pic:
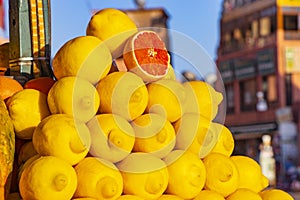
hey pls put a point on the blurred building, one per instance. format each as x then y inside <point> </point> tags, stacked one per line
<point>259,62</point>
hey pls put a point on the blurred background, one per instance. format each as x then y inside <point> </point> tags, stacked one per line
<point>248,49</point>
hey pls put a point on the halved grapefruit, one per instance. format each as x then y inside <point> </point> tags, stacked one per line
<point>146,55</point>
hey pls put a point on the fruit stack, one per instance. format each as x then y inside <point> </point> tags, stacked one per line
<point>129,130</point>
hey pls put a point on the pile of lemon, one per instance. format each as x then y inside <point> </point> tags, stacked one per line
<point>107,134</point>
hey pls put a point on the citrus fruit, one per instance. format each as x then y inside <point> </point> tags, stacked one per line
<point>171,73</point>
<point>222,175</point>
<point>144,175</point>
<point>27,108</point>
<point>129,197</point>
<point>112,26</point>
<point>124,94</point>
<point>25,165</point>
<point>74,96</point>
<point>112,137</point>
<point>275,194</point>
<point>48,177</point>
<point>98,178</point>
<point>251,176</point>
<point>196,134</point>
<point>145,54</point>
<point>245,194</point>
<point>187,174</point>
<point>169,197</point>
<point>154,134</point>
<point>84,56</point>
<point>84,198</point>
<point>202,98</point>
<point>26,151</point>
<point>209,195</point>
<point>225,142</point>
<point>166,98</point>
<point>42,84</point>
<point>62,136</point>
<point>8,87</point>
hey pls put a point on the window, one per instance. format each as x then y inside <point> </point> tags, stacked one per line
<point>229,98</point>
<point>265,26</point>
<point>269,89</point>
<point>248,95</point>
<point>290,22</point>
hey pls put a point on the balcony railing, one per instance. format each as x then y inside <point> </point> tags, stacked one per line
<point>247,44</point>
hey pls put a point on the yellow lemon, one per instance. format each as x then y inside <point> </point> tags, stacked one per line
<point>196,134</point>
<point>166,98</point>
<point>98,178</point>
<point>48,177</point>
<point>26,151</point>
<point>225,142</point>
<point>112,137</point>
<point>251,176</point>
<point>154,134</point>
<point>171,73</point>
<point>169,197</point>
<point>25,164</point>
<point>27,108</point>
<point>275,194</point>
<point>124,94</point>
<point>129,197</point>
<point>209,195</point>
<point>144,175</point>
<point>112,26</point>
<point>84,198</point>
<point>84,56</point>
<point>62,136</point>
<point>245,194</point>
<point>187,174</point>
<point>222,175</point>
<point>74,96</point>
<point>202,98</point>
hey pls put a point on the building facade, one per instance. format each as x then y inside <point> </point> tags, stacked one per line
<point>259,61</point>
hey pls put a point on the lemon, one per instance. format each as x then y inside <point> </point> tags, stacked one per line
<point>112,137</point>
<point>187,174</point>
<point>251,176</point>
<point>144,175</point>
<point>171,73</point>
<point>25,164</point>
<point>62,136</point>
<point>275,194</point>
<point>84,56</point>
<point>129,197</point>
<point>202,98</point>
<point>48,177</point>
<point>124,94</point>
<point>166,98</point>
<point>112,26</point>
<point>225,142</point>
<point>74,96</point>
<point>27,108</point>
<point>26,151</point>
<point>209,195</point>
<point>222,175</point>
<point>196,134</point>
<point>245,194</point>
<point>169,197</point>
<point>98,178</point>
<point>154,134</point>
<point>84,198</point>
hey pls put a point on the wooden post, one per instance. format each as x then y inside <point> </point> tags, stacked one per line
<point>30,39</point>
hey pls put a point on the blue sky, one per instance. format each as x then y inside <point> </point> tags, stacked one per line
<point>196,21</point>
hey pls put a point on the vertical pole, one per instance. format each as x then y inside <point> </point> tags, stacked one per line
<point>30,39</point>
